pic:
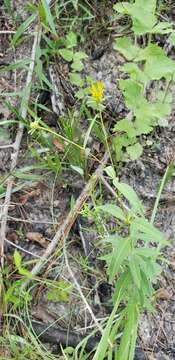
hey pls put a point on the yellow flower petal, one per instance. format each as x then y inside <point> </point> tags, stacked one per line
<point>97,91</point>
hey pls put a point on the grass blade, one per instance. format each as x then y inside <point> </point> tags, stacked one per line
<point>22,28</point>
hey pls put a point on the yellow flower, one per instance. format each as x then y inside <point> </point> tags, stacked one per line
<point>97,91</point>
<point>34,125</point>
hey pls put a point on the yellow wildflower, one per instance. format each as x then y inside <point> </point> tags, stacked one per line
<point>34,125</point>
<point>97,91</point>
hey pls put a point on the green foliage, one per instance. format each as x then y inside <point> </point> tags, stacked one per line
<point>145,64</point>
<point>133,264</point>
<point>59,291</point>
<point>20,268</point>
<point>143,15</point>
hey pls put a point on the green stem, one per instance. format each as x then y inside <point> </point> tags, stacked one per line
<point>162,185</point>
<point>39,127</point>
<point>106,137</point>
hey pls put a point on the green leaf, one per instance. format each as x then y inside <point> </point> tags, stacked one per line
<point>17,65</point>
<point>142,14</point>
<point>134,151</point>
<point>25,272</point>
<point>79,55</point>
<point>123,7</point>
<point>127,126</point>
<point>172,39</point>
<point>17,259</point>
<point>22,28</point>
<point>129,336</point>
<point>147,252</point>
<point>157,65</point>
<point>147,231</point>
<point>128,192</point>
<point>49,17</point>
<point>113,210</point>
<point>132,92</point>
<point>134,265</point>
<point>126,48</point>
<point>66,54</point>
<point>110,172</point>
<point>71,40</point>
<point>60,291</point>
<point>135,73</point>
<point>163,27</point>
<point>78,169</point>
<point>118,256</point>
<point>76,79</point>
<point>77,65</point>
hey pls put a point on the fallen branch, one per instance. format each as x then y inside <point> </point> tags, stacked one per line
<point>65,228</point>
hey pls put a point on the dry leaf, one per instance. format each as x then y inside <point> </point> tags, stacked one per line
<point>24,198</point>
<point>58,145</point>
<point>37,237</point>
<point>162,294</point>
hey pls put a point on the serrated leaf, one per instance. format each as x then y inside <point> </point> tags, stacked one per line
<point>127,126</point>
<point>113,210</point>
<point>134,151</point>
<point>66,54</point>
<point>157,64</point>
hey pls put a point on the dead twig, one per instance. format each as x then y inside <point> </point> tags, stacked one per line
<point>65,228</point>
<point>113,192</point>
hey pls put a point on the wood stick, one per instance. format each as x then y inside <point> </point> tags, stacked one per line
<point>65,228</point>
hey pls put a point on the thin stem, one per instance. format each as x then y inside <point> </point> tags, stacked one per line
<point>106,137</point>
<point>162,185</point>
<point>39,127</point>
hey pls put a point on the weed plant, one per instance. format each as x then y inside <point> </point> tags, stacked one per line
<point>133,255</point>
